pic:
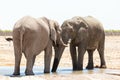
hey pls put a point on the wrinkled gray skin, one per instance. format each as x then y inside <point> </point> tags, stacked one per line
<point>87,34</point>
<point>31,36</point>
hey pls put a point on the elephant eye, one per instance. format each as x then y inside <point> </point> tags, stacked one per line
<point>70,24</point>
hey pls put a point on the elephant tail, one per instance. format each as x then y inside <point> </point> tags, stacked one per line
<point>22,31</point>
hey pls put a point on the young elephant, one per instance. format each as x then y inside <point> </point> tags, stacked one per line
<point>31,36</point>
<point>86,33</point>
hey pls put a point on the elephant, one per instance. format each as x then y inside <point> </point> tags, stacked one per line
<point>30,37</point>
<point>85,34</point>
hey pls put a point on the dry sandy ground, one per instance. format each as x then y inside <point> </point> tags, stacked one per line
<point>112,56</point>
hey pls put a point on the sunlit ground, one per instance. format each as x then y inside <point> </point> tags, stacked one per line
<point>112,57</point>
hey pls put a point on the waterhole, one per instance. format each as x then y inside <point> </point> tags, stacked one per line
<point>8,71</point>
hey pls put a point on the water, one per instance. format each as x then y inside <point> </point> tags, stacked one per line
<point>8,71</point>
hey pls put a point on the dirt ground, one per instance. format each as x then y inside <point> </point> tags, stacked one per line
<point>112,57</point>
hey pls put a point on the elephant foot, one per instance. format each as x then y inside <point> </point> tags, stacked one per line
<point>16,74</point>
<point>103,66</point>
<point>80,67</point>
<point>46,71</point>
<point>53,70</point>
<point>75,69</point>
<point>29,73</point>
<point>89,67</point>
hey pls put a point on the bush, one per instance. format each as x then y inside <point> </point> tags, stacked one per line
<point>112,32</point>
<point>5,33</point>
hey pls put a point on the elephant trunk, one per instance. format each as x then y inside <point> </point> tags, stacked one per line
<point>55,65</point>
<point>58,53</point>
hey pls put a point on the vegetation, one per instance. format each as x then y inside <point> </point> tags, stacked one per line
<point>112,32</point>
<point>5,33</point>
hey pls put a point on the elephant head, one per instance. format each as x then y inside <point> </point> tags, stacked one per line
<point>70,29</point>
<point>55,31</point>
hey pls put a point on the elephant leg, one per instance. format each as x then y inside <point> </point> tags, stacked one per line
<point>30,63</point>
<point>90,59</point>
<point>18,56</point>
<point>101,54</point>
<point>73,56</point>
<point>81,52</point>
<point>47,58</point>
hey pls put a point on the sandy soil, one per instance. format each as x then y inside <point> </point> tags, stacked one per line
<point>112,56</point>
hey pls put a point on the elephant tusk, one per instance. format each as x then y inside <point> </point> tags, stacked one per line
<point>69,41</point>
<point>65,45</point>
<point>62,43</point>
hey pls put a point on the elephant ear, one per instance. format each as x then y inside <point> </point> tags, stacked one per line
<point>84,24</point>
<point>80,22</point>
<point>58,39</point>
<point>53,33</point>
<point>51,24</point>
<point>46,20</point>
